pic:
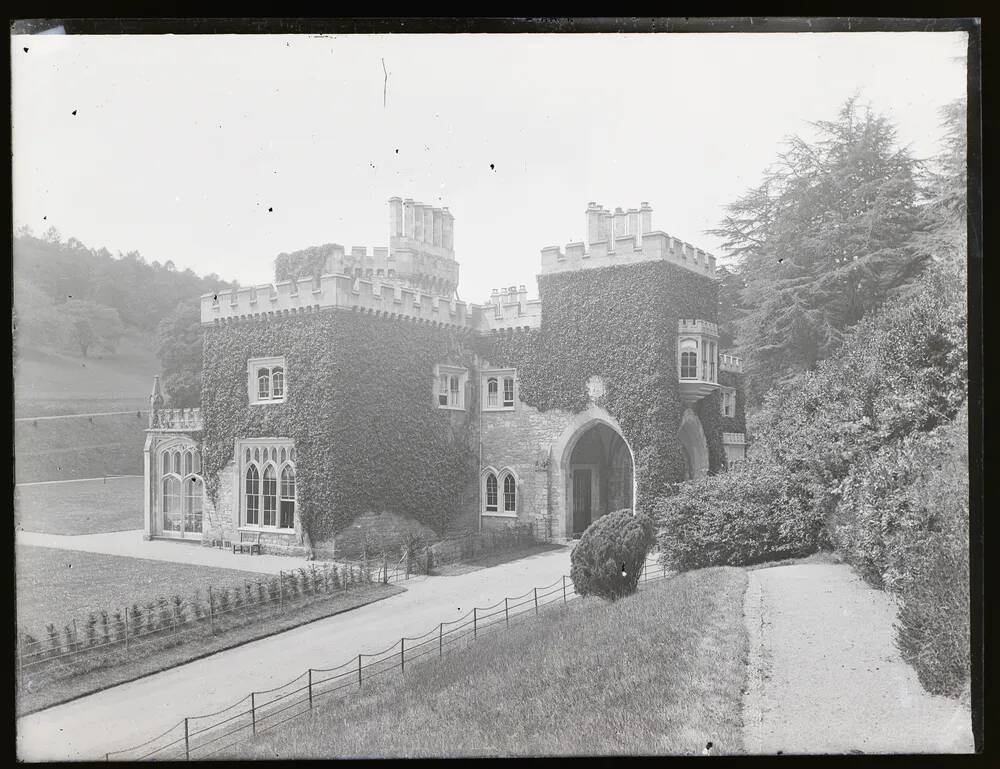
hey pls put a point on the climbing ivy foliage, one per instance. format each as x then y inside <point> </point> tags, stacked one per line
<point>619,323</point>
<point>709,411</point>
<point>360,408</point>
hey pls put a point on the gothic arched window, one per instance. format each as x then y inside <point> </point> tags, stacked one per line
<point>492,392</point>
<point>269,494</point>
<point>509,494</point>
<point>252,496</point>
<point>491,493</point>
<point>287,513</point>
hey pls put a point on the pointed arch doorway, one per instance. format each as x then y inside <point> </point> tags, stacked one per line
<point>595,470</point>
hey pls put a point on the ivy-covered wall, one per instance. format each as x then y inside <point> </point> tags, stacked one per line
<point>619,323</point>
<point>738,422</point>
<point>360,407</point>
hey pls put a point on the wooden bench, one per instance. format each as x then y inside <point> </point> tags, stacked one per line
<point>249,542</point>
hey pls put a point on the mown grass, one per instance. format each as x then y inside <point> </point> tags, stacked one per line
<point>79,447</point>
<point>659,672</point>
<point>60,585</point>
<point>81,507</point>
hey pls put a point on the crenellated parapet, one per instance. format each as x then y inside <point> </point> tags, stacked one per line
<point>510,308</point>
<point>624,237</point>
<point>306,295</point>
<point>729,362</point>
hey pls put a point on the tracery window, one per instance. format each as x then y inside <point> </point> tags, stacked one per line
<point>181,489</point>
<point>269,490</point>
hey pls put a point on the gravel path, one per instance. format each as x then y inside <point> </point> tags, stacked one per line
<point>825,677</point>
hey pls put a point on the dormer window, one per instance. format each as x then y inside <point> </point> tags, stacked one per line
<point>267,382</point>
<point>450,384</point>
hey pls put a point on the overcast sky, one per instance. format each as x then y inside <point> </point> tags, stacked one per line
<point>219,152</point>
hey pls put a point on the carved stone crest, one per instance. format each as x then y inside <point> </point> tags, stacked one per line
<point>596,388</point>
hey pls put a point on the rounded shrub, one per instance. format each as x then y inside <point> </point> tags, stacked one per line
<point>609,557</point>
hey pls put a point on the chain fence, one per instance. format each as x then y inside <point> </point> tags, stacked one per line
<point>206,736</point>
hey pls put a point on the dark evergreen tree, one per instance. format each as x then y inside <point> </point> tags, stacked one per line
<point>178,346</point>
<point>826,237</point>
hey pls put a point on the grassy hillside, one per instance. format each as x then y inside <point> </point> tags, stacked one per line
<point>48,381</point>
<point>660,672</point>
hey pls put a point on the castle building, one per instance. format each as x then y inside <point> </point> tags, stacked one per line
<point>358,384</point>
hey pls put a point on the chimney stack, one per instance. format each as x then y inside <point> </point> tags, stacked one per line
<point>594,222</point>
<point>621,223</point>
<point>408,218</point>
<point>645,218</point>
<point>447,230</point>
<point>395,217</point>
<point>437,226</point>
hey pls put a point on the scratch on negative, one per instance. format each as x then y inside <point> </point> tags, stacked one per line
<point>385,85</point>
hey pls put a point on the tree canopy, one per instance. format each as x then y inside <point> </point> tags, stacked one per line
<point>825,238</point>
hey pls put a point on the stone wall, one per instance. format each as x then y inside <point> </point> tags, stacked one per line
<point>521,441</point>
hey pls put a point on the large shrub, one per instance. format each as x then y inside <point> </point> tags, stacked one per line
<point>748,515</point>
<point>609,557</point>
<point>903,523</point>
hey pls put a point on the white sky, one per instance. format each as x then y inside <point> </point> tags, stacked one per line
<point>181,144</point>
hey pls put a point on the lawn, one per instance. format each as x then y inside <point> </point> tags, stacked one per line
<point>80,507</point>
<point>79,447</point>
<point>60,585</point>
<point>660,672</point>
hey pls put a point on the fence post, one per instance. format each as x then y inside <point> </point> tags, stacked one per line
<point>246,601</point>
<point>564,588</point>
<point>506,616</point>
<point>253,713</point>
<point>473,622</point>
<point>402,655</point>
<point>187,742</point>
<point>281,591</point>
<point>211,613</point>
<point>359,671</point>
<point>310,688</point>
<point>536,601</point>
<point>76,636</point>
<point>440,639</point>
<point>126,632</point>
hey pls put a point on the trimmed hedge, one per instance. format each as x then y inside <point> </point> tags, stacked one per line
<point>608,560</point>
<point>734,519</point>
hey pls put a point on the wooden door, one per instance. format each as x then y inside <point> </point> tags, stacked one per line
<point>581,500</point>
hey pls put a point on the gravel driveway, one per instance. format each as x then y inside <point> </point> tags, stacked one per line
<point>825,677</point>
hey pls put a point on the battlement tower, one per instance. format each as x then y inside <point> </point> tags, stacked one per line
<point>624,237</point>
